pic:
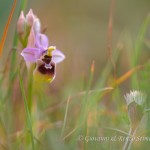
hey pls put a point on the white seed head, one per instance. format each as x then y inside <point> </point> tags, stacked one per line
<point>135,96</point>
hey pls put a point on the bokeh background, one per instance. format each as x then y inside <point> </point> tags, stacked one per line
<point>79,28</point>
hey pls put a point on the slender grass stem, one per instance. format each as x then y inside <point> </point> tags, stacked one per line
<point>12,73</point>
<point>137,50</point>
<point>129,141</point>
<point>85,104</point>
<point>65,118</point>
<point>115,129</point>
<point>109,40</point>
<point>29,123</point>
<point>131,134</point>
<point>2,42</point>
<point>70,133</point>
<point>30,89</point>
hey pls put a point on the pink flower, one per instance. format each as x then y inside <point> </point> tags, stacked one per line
<point>37,50</point>
<point>46,57</point>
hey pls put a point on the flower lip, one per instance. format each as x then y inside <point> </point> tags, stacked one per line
<point>47,70</point>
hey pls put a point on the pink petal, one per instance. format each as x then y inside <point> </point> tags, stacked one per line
<point>42,41</point>
<point>21,24</point>
<point>57,56</point>
<point>31,38</point>
<point>30,17</point>
<point>31,54</point>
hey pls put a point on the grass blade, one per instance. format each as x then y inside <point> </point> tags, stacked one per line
<point>7,26</point>
<point>29,123</point>
<point>65,118</point>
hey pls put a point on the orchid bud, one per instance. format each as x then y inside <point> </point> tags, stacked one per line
<point>135,101</point>
<point>21,24</point>
<point>37,26</point>
<point>30,17</point>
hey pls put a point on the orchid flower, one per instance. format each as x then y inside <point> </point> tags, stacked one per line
<point>36,48</point>
<point>46,57</point>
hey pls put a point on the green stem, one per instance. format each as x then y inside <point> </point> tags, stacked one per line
<point>30,89</point>
<point>12,73</point>
<point>86,103</point>
<point>131,134</point>
<point>128,142</point>
<point>29,123</point>
<point>65,117</point>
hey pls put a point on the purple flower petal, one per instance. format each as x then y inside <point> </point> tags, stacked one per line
<point>57,56</point>
<point>31,54</point>
<point>42,41</point>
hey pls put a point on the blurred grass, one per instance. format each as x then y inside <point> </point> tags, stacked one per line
<point>138,48</point>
